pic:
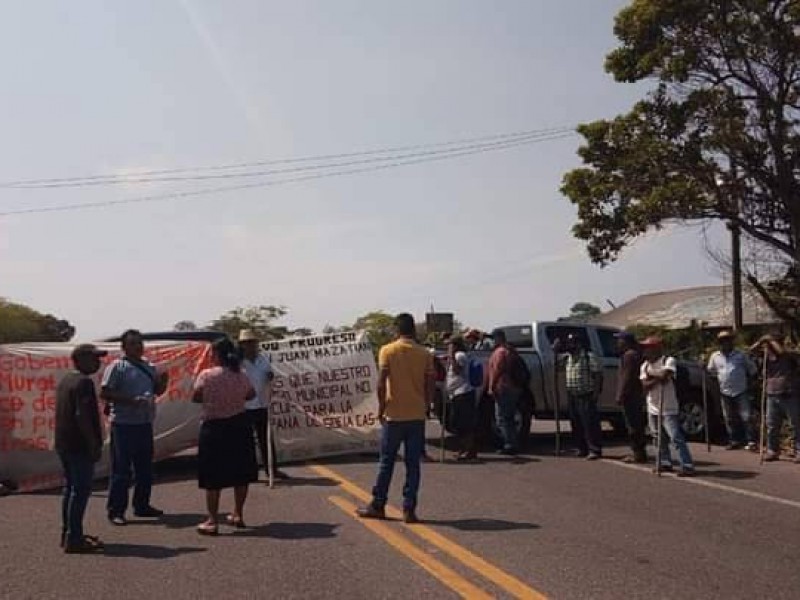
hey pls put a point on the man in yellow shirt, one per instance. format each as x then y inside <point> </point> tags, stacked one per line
<point>405,389</point>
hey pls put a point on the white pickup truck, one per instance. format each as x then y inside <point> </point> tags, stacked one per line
<point>534,343</point>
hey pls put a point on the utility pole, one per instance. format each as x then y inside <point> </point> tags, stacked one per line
<point>736,274</point>
<point>736,253</point>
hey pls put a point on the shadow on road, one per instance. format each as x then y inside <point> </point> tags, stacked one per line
<point>729,474</point>
<point>483,524</point>
<point>307,481</point>
<point>147,551</point>
<point>290,531</point>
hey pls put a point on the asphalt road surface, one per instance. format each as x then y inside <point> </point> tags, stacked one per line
<point>532,527</point>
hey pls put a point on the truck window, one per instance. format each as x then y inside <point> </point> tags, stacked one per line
<point>561,332</point>
<point>608,343</point>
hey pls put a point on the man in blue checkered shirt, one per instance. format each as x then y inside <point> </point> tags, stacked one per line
<point>584,378</point>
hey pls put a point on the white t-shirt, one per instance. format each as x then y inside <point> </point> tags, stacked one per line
<point>458,383</point>
<point>657,367</point>
<point>258,372</point>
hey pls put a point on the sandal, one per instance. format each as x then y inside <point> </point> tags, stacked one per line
<point>207,529</point>
<point>237,522</point>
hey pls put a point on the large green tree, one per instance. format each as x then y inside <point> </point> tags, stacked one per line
<point>716,138</point>
<point>20,323</point>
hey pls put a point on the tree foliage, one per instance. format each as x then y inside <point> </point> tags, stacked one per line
<point>261,319</point>
<point>581,312</point>
<point>379,327</point>
<point>185,326</point>
<point>716,139</point>
<point>19,323</point>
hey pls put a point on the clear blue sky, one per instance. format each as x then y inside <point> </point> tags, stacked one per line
<point>108,87</point>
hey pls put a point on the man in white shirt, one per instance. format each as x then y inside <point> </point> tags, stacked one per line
<point>461,394</point>
<point>732,369</point>
<point>258,369</point>
<point>658,379</point>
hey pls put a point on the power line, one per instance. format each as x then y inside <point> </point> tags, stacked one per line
<point>275,182</point>
<point>270,172</point>
<point>158,174</point>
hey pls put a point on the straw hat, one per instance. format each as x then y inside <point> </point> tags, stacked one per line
<point>248,335</point>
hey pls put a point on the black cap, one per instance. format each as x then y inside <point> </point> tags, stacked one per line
<point>87,350</point>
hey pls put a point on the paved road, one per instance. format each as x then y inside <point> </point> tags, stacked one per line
<point>537,526</point>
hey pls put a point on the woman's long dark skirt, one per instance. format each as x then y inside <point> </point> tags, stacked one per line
<point>226,455</point>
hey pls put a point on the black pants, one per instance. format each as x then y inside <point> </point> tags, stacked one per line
<point>585,423</point>
<point>633,410</point>
<point>259,418</point>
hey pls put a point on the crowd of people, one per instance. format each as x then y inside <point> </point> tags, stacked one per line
<point>233,395</point>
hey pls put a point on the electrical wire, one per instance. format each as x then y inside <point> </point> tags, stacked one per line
<point>161,175</point>
<point>513,143</point>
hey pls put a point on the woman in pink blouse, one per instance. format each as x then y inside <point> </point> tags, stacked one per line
<point>226,454</point>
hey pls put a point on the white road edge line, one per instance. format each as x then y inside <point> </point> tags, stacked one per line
<point>711,484</point>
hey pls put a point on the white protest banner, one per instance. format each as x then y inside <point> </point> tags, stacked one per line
<point>324,400</point>
<point>29,375</point>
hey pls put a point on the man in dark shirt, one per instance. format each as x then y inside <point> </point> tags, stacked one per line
<point>630,395</point>
<point>78,442</point>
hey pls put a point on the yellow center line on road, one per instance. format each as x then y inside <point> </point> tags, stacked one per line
<point>484,568</point>
<point>447,576</point>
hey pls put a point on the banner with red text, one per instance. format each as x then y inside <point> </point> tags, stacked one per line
<point>29,374</point>
<point>323,399</point>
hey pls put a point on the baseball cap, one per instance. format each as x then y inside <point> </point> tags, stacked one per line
<point>87,350</point>
<point>725,335</point>
<point>651,341</point>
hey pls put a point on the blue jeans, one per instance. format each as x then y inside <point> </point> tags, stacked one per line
<point>131,446</point>
<point>78,475</point>
<point>672,426</point>
<point>506,404</point>
<point>738,412</point>
<point>777,407</point>
<point>412,435</point>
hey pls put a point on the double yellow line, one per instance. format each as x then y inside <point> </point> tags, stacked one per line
<point>450,578</point>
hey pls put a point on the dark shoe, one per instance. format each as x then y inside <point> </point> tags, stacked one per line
<point>771,456</point>
<point>237,522</point>
<point>664,468</point>
<point>733,446</point>
<point>593,456</point>
<point>410,517</point>
<point>507,451</point>
<point>371,512</point>
<point>88,545</point>
<point>687,473</point>
<point>149,513</point>
<point>117,520</point>
<point>278,474</point>
<point>752,447</point>
<point>579,453</point>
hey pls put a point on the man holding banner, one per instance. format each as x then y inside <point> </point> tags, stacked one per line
<point>258,369</point>
<point>405,390</point>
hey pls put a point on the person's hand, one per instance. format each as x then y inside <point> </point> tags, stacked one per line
<point>382,418</point>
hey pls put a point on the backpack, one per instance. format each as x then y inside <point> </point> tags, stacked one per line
<point>475,373</point>
<point>519,373</point>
